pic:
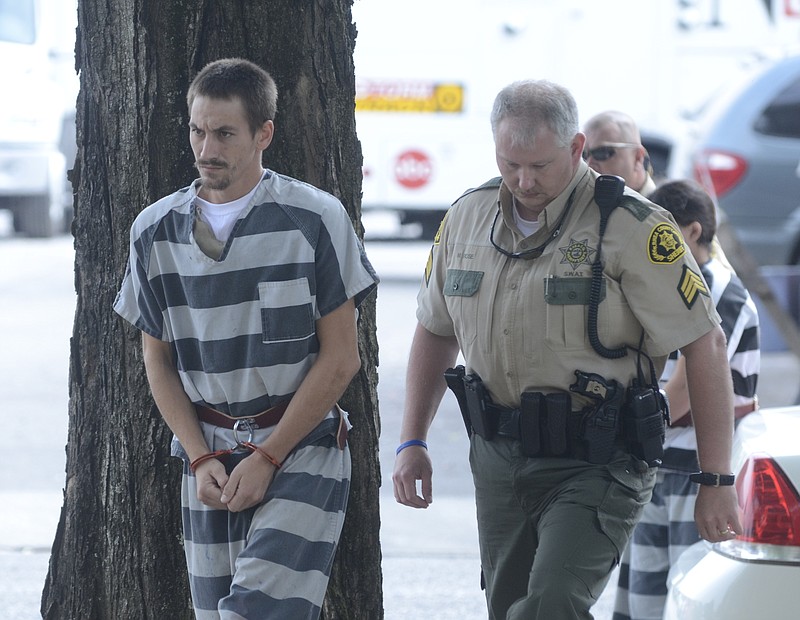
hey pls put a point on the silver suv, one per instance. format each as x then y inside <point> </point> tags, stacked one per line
<point>749,157</point>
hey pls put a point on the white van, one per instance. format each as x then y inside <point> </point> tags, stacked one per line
<point>32,168</point>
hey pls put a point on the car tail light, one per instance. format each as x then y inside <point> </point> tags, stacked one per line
<point>770,504</point>
<point>718,171</point>
<point>770,514</point>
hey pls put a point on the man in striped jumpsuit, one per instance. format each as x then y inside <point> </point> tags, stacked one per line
<point>245,286</point>
<point>667,527</point>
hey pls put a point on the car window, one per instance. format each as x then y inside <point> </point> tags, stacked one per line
<point>782,115</point>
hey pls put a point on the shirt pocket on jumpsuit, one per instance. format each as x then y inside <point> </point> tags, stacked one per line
<point>287,311</point>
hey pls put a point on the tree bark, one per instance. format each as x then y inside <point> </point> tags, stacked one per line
<point>118,550</point>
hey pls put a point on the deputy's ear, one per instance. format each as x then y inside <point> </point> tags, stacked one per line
<point>576,148</point>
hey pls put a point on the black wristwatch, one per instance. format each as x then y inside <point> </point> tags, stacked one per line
<point>712,480</point>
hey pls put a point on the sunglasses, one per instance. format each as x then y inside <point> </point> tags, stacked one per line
<point>607,151</point>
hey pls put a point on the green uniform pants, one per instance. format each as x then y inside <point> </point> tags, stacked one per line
<point>551,530</point>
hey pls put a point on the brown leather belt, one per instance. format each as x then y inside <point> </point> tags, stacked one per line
<point>738,413</point>
<point>265,419</point>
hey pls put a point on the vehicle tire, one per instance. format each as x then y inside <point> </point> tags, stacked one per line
<point>32,216</point>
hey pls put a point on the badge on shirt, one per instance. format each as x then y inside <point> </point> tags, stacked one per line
<point>665,245</point>
<point>577,253</point>
<point>691,286</point>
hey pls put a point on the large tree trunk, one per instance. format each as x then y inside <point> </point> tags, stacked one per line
<point>117,552</point>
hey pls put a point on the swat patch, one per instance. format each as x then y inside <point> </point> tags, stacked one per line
<point>577,253</point>
<point>691,286</point>
<point>665,244</point>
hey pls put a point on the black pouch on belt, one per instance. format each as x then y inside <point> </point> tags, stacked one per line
<point>543,423</point>
<point>559,406</point>
<point>531,410</point>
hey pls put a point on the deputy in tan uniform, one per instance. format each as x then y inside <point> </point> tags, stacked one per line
<point>614,146</point>
<point>509,284</point>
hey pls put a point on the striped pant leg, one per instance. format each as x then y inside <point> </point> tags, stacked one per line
<point>211,544</point>
<point>667,528</point>
<point>283,570</point>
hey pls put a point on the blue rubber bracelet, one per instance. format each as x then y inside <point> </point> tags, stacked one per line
<point>410,442</point>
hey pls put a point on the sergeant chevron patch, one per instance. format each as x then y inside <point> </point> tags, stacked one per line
<point>690,286</point>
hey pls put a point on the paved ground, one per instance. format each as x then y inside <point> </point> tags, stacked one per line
<point>431,566</point>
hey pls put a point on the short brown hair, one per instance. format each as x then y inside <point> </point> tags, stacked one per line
<point>229,78</point>
<point>688,202</point>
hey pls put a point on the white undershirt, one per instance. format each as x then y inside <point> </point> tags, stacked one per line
<point>526,227</point>
<point>221,217</point>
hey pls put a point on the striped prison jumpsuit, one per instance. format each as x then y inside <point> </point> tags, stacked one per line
<point>667,527</point>
<point>241,321</point>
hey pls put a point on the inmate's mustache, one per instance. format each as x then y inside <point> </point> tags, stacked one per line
<point>210,162</point>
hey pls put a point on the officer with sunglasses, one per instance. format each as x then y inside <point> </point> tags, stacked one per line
<point>614,146</point>
<point>509,285</point>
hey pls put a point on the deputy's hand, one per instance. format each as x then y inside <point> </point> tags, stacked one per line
<point>248,483</point>
<point>412,464</point>
<point>716,513</point>
<point>210,478</point>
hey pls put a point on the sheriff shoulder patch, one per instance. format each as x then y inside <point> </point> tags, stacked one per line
<point>665,244</point>
<point>691,286</point>
<point>438,236</point>
<point>436,241</point>
<point>429,268</point>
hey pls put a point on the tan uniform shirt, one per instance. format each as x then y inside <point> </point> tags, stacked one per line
<point>521,323</point>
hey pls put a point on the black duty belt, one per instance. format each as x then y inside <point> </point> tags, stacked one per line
<point>507,421</point>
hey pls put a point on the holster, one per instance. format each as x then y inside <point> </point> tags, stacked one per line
<point>473,401</point>
<point>455,381</point>
<point>600,423</point>
<point>600,429</point>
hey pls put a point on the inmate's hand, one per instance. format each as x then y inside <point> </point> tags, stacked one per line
<point>248,483</point>
<point>412,464</point>
<point>211,478</point>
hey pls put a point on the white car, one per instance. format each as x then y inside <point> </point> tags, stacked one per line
<point>757,575</point>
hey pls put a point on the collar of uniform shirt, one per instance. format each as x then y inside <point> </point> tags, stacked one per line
<point>554,215</point>
<point>537,251</point>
